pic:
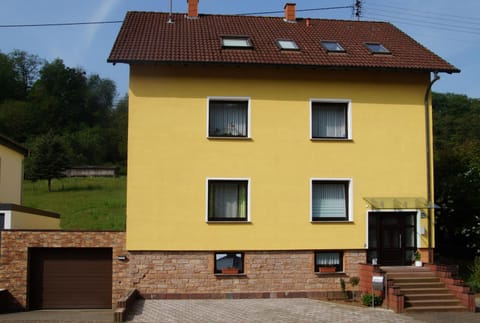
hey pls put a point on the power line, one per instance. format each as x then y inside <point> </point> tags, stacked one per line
<point>62,24</point>
<point>120,21</point>
<point>298,10</point>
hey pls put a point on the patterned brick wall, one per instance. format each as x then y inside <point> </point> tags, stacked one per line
<point>190,274</point>
<point>14,257</point>
<point>177,274</point>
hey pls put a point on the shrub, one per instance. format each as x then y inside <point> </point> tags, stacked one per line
<point>343,287</point>
<point>367,299</point>
<point>474,279</point>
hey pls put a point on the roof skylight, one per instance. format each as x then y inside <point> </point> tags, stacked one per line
<point>377,48</point>
<point>332,46</point>
<point>287,44</point>
<point>236,42</point>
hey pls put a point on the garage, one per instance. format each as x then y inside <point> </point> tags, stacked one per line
<point>69,278</point>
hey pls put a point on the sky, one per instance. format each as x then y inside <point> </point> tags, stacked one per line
<point>451,29</point>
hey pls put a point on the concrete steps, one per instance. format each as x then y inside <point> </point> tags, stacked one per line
<point>423,291</point>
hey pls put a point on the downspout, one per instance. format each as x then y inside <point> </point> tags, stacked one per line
<point>428,139</point>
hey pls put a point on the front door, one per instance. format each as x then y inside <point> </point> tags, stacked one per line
<point>391,237</point>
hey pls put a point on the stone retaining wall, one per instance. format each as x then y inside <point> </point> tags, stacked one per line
<point>191,274</point>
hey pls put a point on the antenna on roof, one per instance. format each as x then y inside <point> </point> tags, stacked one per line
<point>170,20</point>
<point>357,9</point>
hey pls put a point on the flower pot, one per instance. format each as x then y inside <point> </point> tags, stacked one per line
<point>327,269</point>
<point>230,271</point>
<point>418,263</point>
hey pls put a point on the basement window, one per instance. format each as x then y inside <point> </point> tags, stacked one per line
<point>236,42</point>
<point>230,263</point>
<point>332,46</point>
<point>287,44</point>
<point>377,48</point>
<point>327,262</point>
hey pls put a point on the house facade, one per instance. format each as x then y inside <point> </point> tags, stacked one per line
<point>12,214</point>
<point>289,150</point>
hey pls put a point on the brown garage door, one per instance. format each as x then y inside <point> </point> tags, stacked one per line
<point>70,278</point>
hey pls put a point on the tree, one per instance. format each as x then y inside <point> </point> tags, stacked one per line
<point>9,86</point>
<point>26,67</point>
<point>49,158</point>
<point>457,174</point>
<point>59,97</point>
<point>100,95</point>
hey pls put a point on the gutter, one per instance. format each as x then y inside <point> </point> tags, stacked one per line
<point>428,139</point>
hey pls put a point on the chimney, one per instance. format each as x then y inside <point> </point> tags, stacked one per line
<point>192,8</point>
<point>290,12</point>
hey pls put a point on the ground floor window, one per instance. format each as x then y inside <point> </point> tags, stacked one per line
<point>227,200</point>
<point>229,263</point>
<point>328,261</point>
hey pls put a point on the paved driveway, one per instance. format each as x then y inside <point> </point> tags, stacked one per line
<point>258,310</point>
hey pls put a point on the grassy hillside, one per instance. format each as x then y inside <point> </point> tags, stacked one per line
<point>83,203</point>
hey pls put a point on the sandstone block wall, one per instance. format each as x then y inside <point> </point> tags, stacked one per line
<point>14,257</point>
<point>191,274</point>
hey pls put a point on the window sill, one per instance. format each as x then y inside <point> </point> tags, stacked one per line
<point>335,274</point>
<point>220,275</point>
<point>229,138</point>
<point>229,222</point>
<point>331,221</point>
<point>332,139</point>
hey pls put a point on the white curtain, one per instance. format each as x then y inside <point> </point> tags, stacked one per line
<point>228,118</point>
<point>329,120</point>
<point>327,259</point>
<point>329,200</point>
<point>229,200</point>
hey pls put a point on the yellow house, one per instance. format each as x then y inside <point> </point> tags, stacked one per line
<point>289,150</point>
<point>12,214</point>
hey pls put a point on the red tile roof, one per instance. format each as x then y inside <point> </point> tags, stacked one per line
<point>147,37</point>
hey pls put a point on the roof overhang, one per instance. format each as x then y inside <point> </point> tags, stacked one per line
<point>395,203</point>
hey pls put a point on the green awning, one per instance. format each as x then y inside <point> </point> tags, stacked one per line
<point>400,203</point>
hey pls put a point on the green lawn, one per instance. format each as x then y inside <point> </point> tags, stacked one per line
<point>83,203</point>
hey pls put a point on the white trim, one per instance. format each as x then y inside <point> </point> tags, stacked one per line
<point>350,198</point>
<point>231,98</point>
<point>228,179</point>
<point>8,219</point>
<point>349,117</point>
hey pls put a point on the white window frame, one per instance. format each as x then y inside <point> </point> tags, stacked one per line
<point>287,44</point>
<point>228,179</point>
<point>230,98</point>
<point>349,117</point>
<point>349,203</point>
<point>236,42</point>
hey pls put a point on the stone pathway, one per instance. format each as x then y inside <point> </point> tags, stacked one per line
<point>258,310</point>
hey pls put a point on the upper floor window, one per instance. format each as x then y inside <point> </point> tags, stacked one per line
<point>330,200</point>
<point>332,46</point>
<point>227,200</point>
<point>330,119</point>
<point>377,48</point>
<point>228,117</point>
<point>2,221</point>
<point>236,42</point>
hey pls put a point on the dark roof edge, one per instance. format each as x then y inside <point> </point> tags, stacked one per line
<point>7,142</point>
<point>349,67</point>
<point>25,209</point>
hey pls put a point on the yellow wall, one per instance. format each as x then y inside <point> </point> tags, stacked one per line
<point>170,156</point>
<point>11,175</point>
<point>24,220</point>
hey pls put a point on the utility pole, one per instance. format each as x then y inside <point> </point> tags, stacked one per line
<point>357,9</point>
